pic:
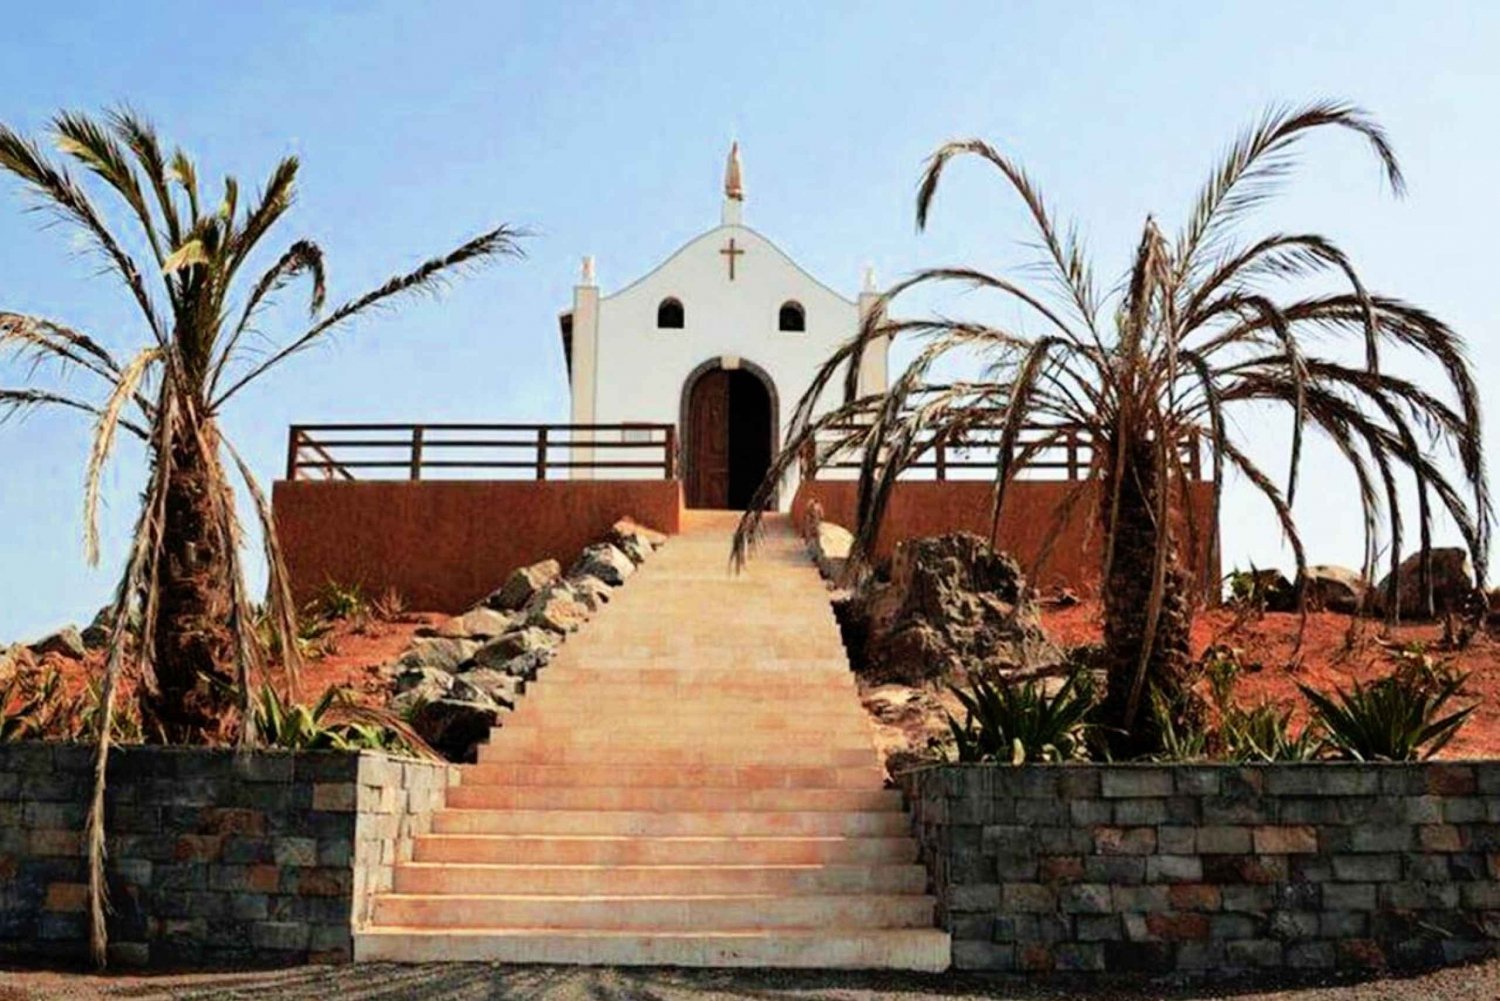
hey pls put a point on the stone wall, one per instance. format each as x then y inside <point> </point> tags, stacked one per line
<point>1212,869</point>
<point>216,858</point>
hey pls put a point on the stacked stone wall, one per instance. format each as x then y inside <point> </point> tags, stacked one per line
<point>215,857</point>
<point>1214,869</point>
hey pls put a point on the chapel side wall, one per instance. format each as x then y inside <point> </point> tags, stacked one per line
<point>444,545</point>
<point>923,508</point>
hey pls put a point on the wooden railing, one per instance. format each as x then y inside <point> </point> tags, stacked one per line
<point>350,451</point>
<point>1056,453</point>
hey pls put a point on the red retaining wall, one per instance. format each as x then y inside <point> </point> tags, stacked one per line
<point>920,508</point>
<point>445,544</point>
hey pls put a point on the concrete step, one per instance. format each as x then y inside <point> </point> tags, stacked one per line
<point>675,824</point>
<point>717,776</point>
<point>925,950</point>
<point>696,798</point>
<point>674,913</point>
<point>659,715</point>
<point>675,754</point>
<point>454,878</point>
<point>556,849</point>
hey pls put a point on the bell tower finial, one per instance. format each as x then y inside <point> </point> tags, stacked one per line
<point>734,183</point>
<point>734,188</point>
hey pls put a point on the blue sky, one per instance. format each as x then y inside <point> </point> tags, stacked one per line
<point>602,127</point>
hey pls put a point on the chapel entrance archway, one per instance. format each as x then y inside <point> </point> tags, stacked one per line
<point>729,416</point>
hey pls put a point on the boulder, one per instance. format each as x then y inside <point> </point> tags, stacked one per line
<point>456,728</point>
<point>440,652</point>
<point>502,688</point>
<point>1269,586</point>
<point>1333,589</point>
<point>477,623</point>
<point>605,562</point>
<point>1452,585</point>
<point>830,545</point>
<point>67,642</point>
<point>556,611</point>
<point>523,584</point>
<point>630,527</point>
<point>428,683</point>
<point>590,592</point>
<point>951,606</point>
<point>518,643</point>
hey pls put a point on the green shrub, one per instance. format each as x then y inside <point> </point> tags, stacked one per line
<point>334,722</point>
<point>1017,723</point>
<point>1396,718</point>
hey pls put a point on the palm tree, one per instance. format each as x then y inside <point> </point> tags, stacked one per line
<point>1199,325</point>
<point>197,648</point>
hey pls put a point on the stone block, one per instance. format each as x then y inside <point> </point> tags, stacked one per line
<point>1084,898</point>
<point>1089,812</point>
<point>1245,869</point>
<point>1310,955</point>
<point>1448,779</point>
<point>1057,869</point>
<point>1248,899</point>
<point>279,936</point>
<point>1174,926</point>
<point>1293,925</point>
<point>1194,897</point>
<point>1382,839</point>
<point>1254,953</point>
<point>1139,812</point>
<point>1079,782</point>
<point>1099,928</point>
<point>1406,896</point>
<point>1190,780</point>
<point>1125,840</point>
<point>1177,840</point>
<point>1439,838</point>
<point>1125,870</point>
<point>1009,868</point>
<point>335,797</point>
<point>1349,896</point>
<point>989,956</point>
<point>1322,780</point>
<point>294,851</point>
<point>1220,840</point>
<point>1028,898</point>
<point>1139,898</point>
<point>1174,869</point>
<point>1366,868</point>
<point>1343,924</point>
<point>1042,812</point>
<point>1129,781</point>
<point>1296,840</point>
<point>1078,957</point>
<point>1000,839</point>
<point>981,897</point>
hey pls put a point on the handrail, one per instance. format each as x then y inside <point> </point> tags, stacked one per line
<point>1039,448</point>
<point>340,449</point>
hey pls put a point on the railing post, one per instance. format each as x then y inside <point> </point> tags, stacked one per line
<point>669,447</point>
<point>941,449</point>
<point>417,434</point>
<point>1072,455</point>
<point>541,453</point>
<point>1195,457</point>
<point>293,450</point>
<point>809,460</point>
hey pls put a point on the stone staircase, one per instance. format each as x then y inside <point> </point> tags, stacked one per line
<point>692,782</point>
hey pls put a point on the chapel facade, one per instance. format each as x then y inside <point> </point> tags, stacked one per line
<point>720,340</point>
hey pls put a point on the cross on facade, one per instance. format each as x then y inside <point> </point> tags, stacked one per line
<point>731,252</point>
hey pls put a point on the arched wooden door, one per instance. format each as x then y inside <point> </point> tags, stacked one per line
<point>729,433</point>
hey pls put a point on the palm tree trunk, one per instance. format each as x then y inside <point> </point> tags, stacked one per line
<point>194,697</point>
<point>1127,706</point>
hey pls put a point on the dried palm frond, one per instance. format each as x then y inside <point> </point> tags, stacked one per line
<point>198,651</point>
<point>1200,326</point>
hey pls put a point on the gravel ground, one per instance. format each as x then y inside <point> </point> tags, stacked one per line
<point>461,982</point>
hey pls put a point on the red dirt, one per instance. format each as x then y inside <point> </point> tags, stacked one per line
<point>1266,645</point>
<point>1326,661</point>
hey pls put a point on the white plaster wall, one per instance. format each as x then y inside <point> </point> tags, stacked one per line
<point>641,370</point>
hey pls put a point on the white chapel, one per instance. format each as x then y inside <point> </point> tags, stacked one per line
<point>721,339</point>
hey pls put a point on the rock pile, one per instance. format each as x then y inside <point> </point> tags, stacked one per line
<point>951,605</point>
<point>458,679</point>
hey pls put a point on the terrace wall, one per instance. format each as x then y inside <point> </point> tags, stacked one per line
<point>215,857</point>
<point>444,545</point>
<point>1212,869</point>
<point>920,508</point>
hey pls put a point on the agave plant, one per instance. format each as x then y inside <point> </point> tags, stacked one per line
<point>1017,723</point>
<point>1396,718</point>
<point>199,310</point>
<point>334,722</point>
<point>1199,326</point>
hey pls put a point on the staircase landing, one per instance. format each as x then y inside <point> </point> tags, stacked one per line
<point>693,782</point>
